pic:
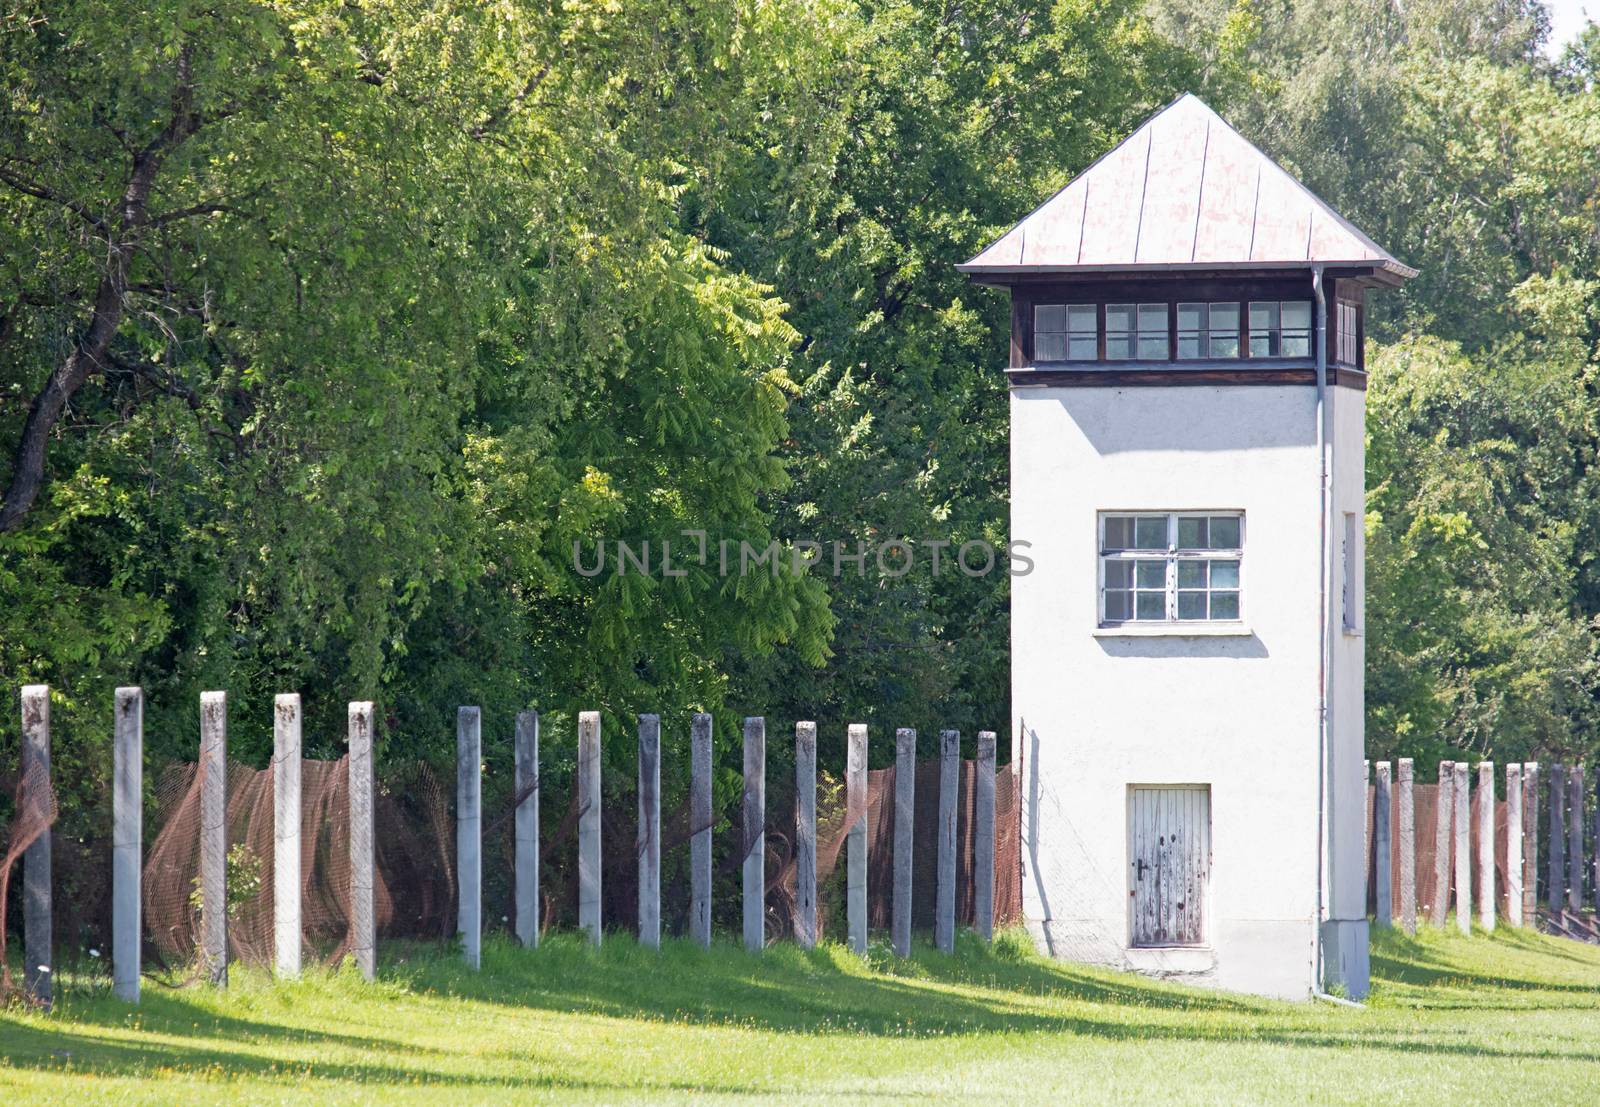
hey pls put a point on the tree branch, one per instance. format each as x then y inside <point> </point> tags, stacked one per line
<point>38,191</point>
<point>89,354</point>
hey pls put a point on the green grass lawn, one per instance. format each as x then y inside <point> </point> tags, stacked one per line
<point>1512,1017</point>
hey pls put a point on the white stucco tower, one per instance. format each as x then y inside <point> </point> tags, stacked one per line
<point>1187,395</point>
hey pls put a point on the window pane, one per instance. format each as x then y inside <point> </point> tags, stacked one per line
<point>1296,345</point>
<point>1119,574</point>
<point>1189,346</point>
<point>1224,574</point>
<point>1119,533</point>
<point>1049,347</point>
<point>1152,574</point>
<point>1224,317</point>
<point>1153,317</point>
<point>1119,317</point>
<point>1118,347</point>
<point>1150,532</point>
<point>1050,317</point>
<point>1264,316</point>
<point>1224,605</point>
<point>1297,315</point>
<point>1192,574</point>
<point>1225,347</point>
<point>1153,347</point>
<point>1081,319</point>
<point>1261,345</point>
<point>1119,605</point>
<point>1082,348</point>
<point>1191,532</point>
<point>1152,605</point>
<point>1224,532</point>
<point>1191,317</point>
<point>1191,605</point>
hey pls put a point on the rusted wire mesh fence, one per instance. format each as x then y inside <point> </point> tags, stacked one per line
<point>415,892</point>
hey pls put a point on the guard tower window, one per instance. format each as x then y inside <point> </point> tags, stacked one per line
<point>1348,347</point>
<point>1066,332</point>
<point>1280,328</point>
<point>1136,331</point>
<point>1208,331</point>
<point>1170,567</point>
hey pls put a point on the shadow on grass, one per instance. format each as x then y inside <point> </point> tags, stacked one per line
<point>259,1029</point>
<point>1399,959</point>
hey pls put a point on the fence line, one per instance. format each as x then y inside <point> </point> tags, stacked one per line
<point>279,832</point>
<point>1485,851</point>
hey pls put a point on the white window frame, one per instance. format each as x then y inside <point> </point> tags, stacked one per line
<point>1173,555</point>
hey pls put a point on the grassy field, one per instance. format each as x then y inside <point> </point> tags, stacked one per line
<point>1515,1017</point>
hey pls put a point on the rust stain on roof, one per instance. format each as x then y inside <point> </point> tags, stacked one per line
<point>1184,189</point>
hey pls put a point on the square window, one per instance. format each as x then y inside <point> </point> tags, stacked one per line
<point>1119,533</point>
<point>1050,317</point>
<point>1119,606</point>
<point>1280,328</point>
<point>1208,330</point>
<point>1150,532</point>
<point>1064,332</point>
<point>1192,532</point>
<point>1049,347</point>
<point>1196,579</point>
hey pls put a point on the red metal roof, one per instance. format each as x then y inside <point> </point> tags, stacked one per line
<point>1185,190</point>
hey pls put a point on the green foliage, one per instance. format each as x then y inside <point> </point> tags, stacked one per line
<point>427,296</point>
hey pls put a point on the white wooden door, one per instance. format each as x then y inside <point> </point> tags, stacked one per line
<point>1169,839</point>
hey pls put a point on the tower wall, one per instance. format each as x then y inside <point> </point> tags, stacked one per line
<point>1098,711</point>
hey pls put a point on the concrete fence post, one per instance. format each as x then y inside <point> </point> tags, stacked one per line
<point>1530,842</point>
<point>1444,808</point>
<point>905,808</point>
<point>527,828</point>
<point>1575,837</point>
<point>1382,848</point>
<point>944,916</point>
<point>805,834</point>
<point>1514,844</point>
<point>1556,888</point>
<point>127,841</point>
<point>363,835</point>
<point>755,834</point>
<point>1408,845</point>
<point>700,830</point>
<point>213,772</point>
<point>37,919</point>
<point>1463,849</point>
<point>1366,827</point>
<point>984,837</point>
<point>855,778</point>
<point>589,824</point>
<point>1486,847</point>
<point>649,844</point>
<point>469,832</point>
<point>286,860</point>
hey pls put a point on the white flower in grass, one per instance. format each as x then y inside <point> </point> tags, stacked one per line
<point>94,953</point>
